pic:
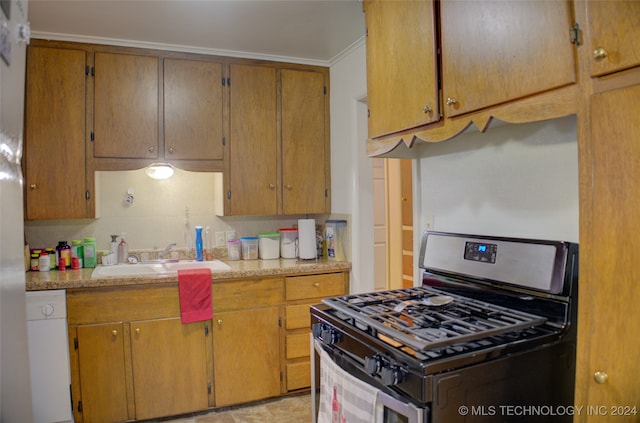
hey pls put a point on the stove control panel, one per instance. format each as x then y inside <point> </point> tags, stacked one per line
<point>480,251</point>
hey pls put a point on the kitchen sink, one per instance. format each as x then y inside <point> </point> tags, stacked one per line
<point>168,268</point>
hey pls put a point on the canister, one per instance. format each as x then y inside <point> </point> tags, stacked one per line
<point>288,242</point>
<point>269,245</point>
<point>249,247</point>
<point>233,249</point>
<point>335,237</point>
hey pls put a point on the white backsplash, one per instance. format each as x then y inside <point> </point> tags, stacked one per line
<point>156,216</point>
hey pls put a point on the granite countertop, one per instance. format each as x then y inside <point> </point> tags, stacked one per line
<point>240,269</point>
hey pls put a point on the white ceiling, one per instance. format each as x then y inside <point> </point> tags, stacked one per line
<point>310,31</point>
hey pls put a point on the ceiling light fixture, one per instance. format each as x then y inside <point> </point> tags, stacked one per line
<point>159,171</point>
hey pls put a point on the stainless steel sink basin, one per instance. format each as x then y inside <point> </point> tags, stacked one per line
<point>157,268</point>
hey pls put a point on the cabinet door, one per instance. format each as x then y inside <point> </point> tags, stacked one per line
<point>614,35</point>
<point>169,367</point>
<point>55,134</point>
<point>497,51</point>
<point>402,76</point>
<point>304,143</point>
<point>126,106</point>
<point>610,296</point>
<point>246,355</point>
<point>102,372</point>
<point>192,110</point>
<point>253,176</point>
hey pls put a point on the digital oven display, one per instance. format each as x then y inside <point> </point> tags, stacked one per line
<point>480,251</point>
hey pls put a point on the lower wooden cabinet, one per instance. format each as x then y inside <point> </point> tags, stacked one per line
<point>144,363</point>
<point>132,358</point>
<point>301,293</point>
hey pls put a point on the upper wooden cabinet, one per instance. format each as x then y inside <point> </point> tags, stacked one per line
<point>55,164</point>
<point>496,51</point>
<point>434,68</point>
<point>126,112</point>
<point>305,154</point>
<point>253,155</point>
<point>278,143</point>
<point>613,35</point>
<point>402,75</point>
<point>192,110</point>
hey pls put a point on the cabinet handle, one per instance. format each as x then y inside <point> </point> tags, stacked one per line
<point>272,186</point>
<point>427,109</point>
<point>599,53</point>
<point>451,101</point>
<point>171,149</point>
<point>317,284</point>
<point>114,332</point>
<point>600,377</point>
<point>289,187</point>
<point>219,322</point>
<point>138,330</point>
<point>33,186</point>
<point>152,149</point>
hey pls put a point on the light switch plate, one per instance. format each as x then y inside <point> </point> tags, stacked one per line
<point>5,43</point>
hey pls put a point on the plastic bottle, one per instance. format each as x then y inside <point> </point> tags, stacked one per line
<point>44,262</point>
<point>89,252</point>
<point>52,257</point>
<point>64,252</point>
<point>77,251</point>
<point>114,245</point>
<point>199,249</point>
<point>123,249</point>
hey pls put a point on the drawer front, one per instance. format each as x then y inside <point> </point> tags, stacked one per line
<point>315,286</point>
<point>247,294</point>
<point>298,375</point>
<point>298,346</point>
<point>298,316</point>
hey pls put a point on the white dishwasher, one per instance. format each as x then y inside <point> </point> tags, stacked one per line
<point>49,356</point>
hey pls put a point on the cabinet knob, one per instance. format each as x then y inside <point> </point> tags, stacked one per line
<point>600,377</point>
<point>317,284</point>
<point>152,149</point>
<point>219,322</point>
<point>114,332</point>
<point>33,186</point>
<point>427,109</point>
<point>599,53</point>
<point>272,186</point>
<point>171,149</point>
<point>138,330</point>
<point>451,101</point>
<point>289,187</point>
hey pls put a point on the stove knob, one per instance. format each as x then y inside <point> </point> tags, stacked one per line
<point>392,375</point>
<point>317,329</point>
<point>372,364</point>
<point>331,336</point>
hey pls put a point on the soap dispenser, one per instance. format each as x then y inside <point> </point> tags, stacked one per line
<point>123,249</point>
<point>114,245</point>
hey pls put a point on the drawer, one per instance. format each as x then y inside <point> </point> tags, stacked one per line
<point>298,346</point>
<point>298,375</point>
<point>298,316</point>
<point>315,286</point>
<point>247,294</point>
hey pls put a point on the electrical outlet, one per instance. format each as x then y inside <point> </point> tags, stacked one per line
<point>230,235</point>
<point>220,241</point>
<point>428,223</point>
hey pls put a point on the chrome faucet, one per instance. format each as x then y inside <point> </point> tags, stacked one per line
<point>166,250</point>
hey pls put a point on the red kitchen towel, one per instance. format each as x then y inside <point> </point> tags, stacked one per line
<point>194,286</point>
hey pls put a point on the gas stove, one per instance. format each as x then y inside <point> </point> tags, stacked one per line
<point>500,304</point>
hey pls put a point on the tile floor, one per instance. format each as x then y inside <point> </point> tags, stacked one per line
<point>292,409</point>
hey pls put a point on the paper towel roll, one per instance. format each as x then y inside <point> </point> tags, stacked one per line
<point>307,239</point>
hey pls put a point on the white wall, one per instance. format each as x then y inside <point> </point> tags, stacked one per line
<point>351,170</point>
<point>513,180</point>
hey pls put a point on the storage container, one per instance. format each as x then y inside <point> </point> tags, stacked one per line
<point>288,242</point>
<point>249,247</point>
<point>335,232</point>
<point>269,245</point>
<point>234,248</point>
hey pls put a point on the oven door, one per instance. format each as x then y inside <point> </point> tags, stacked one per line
<point>387,408</point>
